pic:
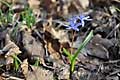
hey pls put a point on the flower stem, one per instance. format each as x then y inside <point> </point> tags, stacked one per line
<point>73,36</point>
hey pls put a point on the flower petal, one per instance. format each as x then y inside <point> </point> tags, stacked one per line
<point>73,24</point>
<point>83,23</point>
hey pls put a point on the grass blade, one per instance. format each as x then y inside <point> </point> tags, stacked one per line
<point>87,39</point>
<point>67,53</point>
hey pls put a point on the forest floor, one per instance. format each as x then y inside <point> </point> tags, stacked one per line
<point>33,34</point>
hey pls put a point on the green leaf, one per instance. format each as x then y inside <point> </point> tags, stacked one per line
<point>116,8</point>
<point>28,17</point>
<point>72,65</point>
<point>17,62</point>
<point>87,39</point>
<point>37,62</point>
<point>15,57</point>
<point>67,53</point>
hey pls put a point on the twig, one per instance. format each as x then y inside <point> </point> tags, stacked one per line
<point>117,26</point>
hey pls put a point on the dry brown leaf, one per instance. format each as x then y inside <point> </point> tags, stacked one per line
<point>13,51</point>
<point>33,47</point>
<point>24,67</point>
<point>11,48</point>
<point>52,52</point>
<point>9,60</point>
<point>34,3</point>
<point>98,47</point>
<point>39,74</point>
<point>61,35</point>
<point>64,73</point>
<point>10,77</point>
<point>65,9</point>
<point>2,78</point>
<point>55,41</point>
<point>84,3</point>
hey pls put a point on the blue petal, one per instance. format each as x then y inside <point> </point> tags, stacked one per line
<point>75,28</point>
<point>81,17</point>
<point>73,24</point>
<point>78,24</point>
<point>83,23</point>
<point>87,18</point>
<point>68,27</point>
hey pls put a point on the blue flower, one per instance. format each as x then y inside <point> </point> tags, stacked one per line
<point>82,19</point>
<point>74,26</point>
<point>73,23</point>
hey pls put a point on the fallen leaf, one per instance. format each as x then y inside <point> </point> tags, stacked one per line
<point>34,5</point>
<point>98,47</point>
<point>2,78</point>
<point>61,35</point>
<point>10,49</point>
<point>84,3</point>
<point>63,72</point>
<point>39,73</point>
<point>33,46</point>
<point>24,66</point>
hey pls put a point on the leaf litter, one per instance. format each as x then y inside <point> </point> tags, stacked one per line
<point>36,52</point>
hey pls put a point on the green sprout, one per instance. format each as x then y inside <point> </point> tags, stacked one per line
<point>6,18</point>
<point>17,62</point>
<point>28,17</point>
<point>72,57</point>
<point>37,61</point>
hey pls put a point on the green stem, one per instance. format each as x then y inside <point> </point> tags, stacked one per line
<point>73,36</point>
<point>87,39</point>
